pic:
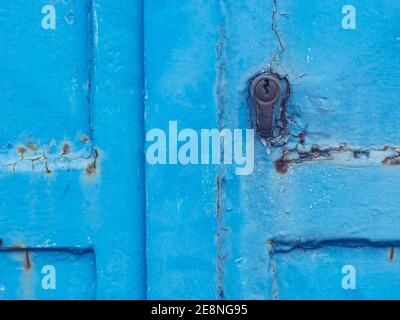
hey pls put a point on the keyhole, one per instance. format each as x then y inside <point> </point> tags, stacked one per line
<point>266,86</point>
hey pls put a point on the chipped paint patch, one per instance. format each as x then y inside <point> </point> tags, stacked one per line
<point>341,155</point>
<point>46,158</point>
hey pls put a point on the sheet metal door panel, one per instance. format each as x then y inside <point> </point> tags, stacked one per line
<point>180,40</point>
<point>71,189</point>
<point>318,208</point>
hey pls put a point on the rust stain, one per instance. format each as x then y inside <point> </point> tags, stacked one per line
<point>91,168</point>
<point>84,139</point>
<point>296,156</point>
<point>21,151</point>
<point>27,260</point>
<point>302,137</point>
<point>282,165</point>
<point>283,124</point>
<point>66,148</point>
<point>391,254</point>
<point>391,161</point>
<point>47,159</point>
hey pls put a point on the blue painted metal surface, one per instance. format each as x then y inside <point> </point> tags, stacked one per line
<point>213,234</point>
<point>74,274</point>
<point>82,216</point>
<point>72,148</point>
<point>180,81</point>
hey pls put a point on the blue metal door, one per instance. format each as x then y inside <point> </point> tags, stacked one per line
<point>88,88</point>
<point>71,146</point>
<point>318,216</point>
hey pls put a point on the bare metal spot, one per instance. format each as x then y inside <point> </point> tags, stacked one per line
<point>27,260</point>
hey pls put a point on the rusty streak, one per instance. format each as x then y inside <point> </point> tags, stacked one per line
<point>315,153</point>
<point>391,161</point>
<point>92,166</point>
<point>391,253</point>
<point>27,261</point>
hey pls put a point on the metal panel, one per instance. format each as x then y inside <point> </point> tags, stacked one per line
<point>72,144</point>
<point>180,73</point>
<point>319,272</point>
<point>333,177</point>
<point>47,274</point>
<point>334,185</point>
<point>72,139</point>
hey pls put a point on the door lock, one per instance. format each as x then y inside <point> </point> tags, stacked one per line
<point>265,91</point>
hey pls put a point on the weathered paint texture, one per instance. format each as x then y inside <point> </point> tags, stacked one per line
<point>82,216</point>
<point>71,149</point>
<point>329,178</point>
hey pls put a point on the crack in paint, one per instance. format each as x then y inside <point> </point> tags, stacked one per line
<point>221,103</point>
<point>287,246</point>
<point>31,157</point>
<point>274,27</point>
<point>220,232</point>
<point>272,268</point>
<point>314,153</point>
<point>92,45</point>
